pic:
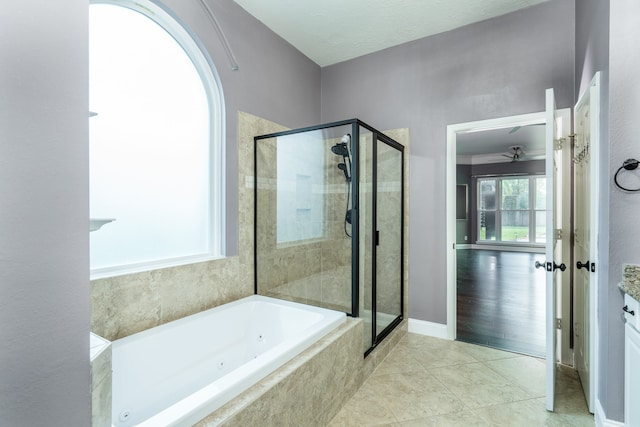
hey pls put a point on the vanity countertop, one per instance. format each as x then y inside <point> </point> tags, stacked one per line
<point>631,281</point>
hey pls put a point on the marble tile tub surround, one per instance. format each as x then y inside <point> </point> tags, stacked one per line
<point>310,389</point>
<point>631,280</point>
<point>100,359</point>
<point>427,381</point>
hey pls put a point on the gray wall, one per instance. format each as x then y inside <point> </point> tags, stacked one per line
<point>275,81</point>
<point>494,68</point>
<point>44,239</point>
<point>44,268</point>
<point>623,231</point>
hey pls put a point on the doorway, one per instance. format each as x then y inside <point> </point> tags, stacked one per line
<point>562,151</point>
<point>500,234</point>
<point>513,124</point>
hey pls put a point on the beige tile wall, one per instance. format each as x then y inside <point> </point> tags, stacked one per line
<point>309,390</point>
<point>316,272</point>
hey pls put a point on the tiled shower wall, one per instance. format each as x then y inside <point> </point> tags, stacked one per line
<point>314,272</point>
<point>319,272</point>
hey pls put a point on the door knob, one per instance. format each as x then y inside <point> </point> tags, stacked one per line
<point>550,266</point>
<point>580,265</point>
<point>562,267</point>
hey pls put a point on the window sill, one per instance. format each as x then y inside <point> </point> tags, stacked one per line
<point>107,272</point>
<point>498,246</point>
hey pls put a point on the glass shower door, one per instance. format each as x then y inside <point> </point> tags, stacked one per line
<point>389,223</point>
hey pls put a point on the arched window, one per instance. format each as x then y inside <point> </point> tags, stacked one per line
<point>156,156</point>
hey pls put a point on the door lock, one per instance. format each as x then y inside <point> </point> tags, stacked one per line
<point>587,266</point>
<point>580,265</point>
<point>550,266</point>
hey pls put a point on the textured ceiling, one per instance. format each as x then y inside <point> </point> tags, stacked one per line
<point>332,31</point>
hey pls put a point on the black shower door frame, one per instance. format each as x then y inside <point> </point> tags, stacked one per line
<point>355,217</point>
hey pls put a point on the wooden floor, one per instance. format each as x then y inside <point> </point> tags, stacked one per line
<point>501,300</point>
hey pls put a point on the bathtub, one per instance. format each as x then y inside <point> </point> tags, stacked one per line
<point>178,373</point>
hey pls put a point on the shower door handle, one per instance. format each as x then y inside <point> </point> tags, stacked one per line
<point>377,237</point>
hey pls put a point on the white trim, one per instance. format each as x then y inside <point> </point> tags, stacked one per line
<point>464,246</point>
<point>508,248</point>
<point>601,418</point>
<point>596,140</point>
<point>430,329</point>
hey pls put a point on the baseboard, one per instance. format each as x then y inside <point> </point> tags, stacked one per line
<point>601,419</point>
<point>422,327</point>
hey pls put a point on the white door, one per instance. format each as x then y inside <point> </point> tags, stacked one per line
<point>585,233</point>
<point>557,128</point>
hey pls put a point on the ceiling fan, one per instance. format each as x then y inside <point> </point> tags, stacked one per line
<point>516,153</point>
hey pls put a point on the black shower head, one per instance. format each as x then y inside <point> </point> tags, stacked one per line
<point>340,149</point>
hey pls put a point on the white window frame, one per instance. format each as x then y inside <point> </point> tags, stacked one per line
<point>205,67</point>
<point>498,211</point>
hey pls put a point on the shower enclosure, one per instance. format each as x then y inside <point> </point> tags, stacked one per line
<point>329,221</point>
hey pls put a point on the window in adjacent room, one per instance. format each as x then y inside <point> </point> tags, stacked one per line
<point>512,209</point>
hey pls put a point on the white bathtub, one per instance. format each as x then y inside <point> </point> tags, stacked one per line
<point>178,373</point>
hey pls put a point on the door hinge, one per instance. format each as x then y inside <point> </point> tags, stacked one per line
<point>558,233</point>
<point>560,141</point>
<point>558,323</point>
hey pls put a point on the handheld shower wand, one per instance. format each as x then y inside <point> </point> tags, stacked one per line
<point>343,168</point>
<point>343,148</point>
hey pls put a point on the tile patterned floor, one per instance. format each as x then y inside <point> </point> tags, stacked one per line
<point>431,382</point>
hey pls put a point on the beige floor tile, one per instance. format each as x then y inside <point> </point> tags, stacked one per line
<point>526,372</point>
<point>533,413</point>
<point>423,343</point>
<point>456,419</point>
<point>401,359</point>
<point>573,408</point>
<point>448,354</point>
<point>525,413</point>
<point>567,381</point>
<point>432,382</point>
<point>477,385</point>
<point>367,408</point>
<point>414,395</point>
<point>482,353</point>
